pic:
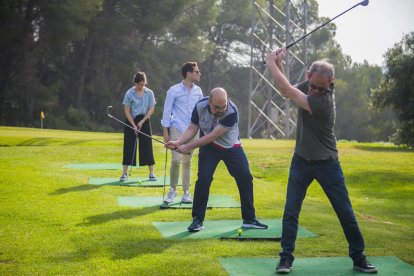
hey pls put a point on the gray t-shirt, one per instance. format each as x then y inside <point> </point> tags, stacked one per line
<point>315,138</point>
<point>203,117</point>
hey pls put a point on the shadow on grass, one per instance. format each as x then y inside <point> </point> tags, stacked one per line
<point>122,243</point>
<point>122,214</point>
<point>382,184</point>
<point>51,141</point>
<point>136,248</point>
<point>379,148</point>
<point>80,188</point>
<point>88,187</point>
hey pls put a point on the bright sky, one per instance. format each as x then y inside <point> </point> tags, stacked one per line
<point>365,33</point>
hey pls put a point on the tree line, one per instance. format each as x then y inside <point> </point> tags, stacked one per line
<point>71,59</point>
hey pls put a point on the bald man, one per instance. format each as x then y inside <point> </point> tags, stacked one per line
<point>217,119</point>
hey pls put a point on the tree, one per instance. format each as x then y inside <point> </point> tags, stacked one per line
<point>397,88</point>
<point>356,119</point>
<point>36,37</point>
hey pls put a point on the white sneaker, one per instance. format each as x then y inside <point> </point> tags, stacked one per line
<point>186,197</point>
<point>124,177</point>
<point>171,196</point>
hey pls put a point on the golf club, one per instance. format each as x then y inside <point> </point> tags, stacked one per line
<point>133,154</point>
<point>362,3</point>
<point>108,111</point>
<point>165,174</point>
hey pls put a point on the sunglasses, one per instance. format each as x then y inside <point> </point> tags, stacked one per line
<point>320,89</point>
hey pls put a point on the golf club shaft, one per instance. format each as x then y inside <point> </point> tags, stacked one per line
<point>327,22</point>
<point>363,3</point>
<point>116,119</point>
<point>149,136</point>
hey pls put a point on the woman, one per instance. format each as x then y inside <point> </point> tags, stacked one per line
<point>139,105</point>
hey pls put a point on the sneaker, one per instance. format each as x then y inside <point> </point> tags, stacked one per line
<point>171,196</point>
<point>254,223</point>
<point>186,197</point>
<point>284,266</point>
<point>364,266</point>
<point>124,177</point>
<point>152,177</point>
<point>196,225</point>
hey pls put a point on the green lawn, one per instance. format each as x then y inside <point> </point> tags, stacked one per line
<point>53,222</point>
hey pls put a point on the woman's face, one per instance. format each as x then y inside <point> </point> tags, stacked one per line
<point>140,85</point>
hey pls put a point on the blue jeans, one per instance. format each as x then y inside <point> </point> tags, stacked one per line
<point>238,167</point>
<point>329,175</point>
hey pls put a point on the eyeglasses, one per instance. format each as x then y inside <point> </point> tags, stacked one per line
<point>320,89</point>
<point>196,71</point>
<point>217,107</point>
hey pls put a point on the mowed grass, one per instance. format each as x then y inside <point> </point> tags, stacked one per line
<point>53,222</point>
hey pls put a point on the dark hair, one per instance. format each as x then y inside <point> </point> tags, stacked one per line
<point>188,67</point>
<point>140,76</point>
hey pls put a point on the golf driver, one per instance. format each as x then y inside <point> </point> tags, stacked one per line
<point>362,3</point>
<point>108,111</point>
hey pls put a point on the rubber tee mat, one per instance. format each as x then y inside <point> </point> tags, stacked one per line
<point>226,229</point>
<point>131,182</point>
<point>314,266</point>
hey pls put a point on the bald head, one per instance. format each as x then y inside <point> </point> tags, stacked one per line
<point>218,94</point>
<point>218,101</point>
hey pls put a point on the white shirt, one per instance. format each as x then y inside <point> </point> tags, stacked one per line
<point>179,105</point>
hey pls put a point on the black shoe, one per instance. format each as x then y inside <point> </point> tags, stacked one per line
<point>284,266</point>
<point>254,223</point>
<point>196,225</point>
<point>364,266</point>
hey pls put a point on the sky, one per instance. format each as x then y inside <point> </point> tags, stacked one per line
<point>366,33</point>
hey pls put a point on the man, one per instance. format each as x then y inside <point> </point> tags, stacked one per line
<point>217,119</point>
<point>179,103</point>
<point>315,157</point>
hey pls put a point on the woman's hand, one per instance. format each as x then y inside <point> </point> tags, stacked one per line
<point>139,125</point>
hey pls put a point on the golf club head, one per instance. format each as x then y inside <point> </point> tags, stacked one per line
<point>109,109</point>
<point>364,3</point>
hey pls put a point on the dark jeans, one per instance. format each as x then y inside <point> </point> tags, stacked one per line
<point>238,167</point>
<point>329,175</point>
<point>146,155</point>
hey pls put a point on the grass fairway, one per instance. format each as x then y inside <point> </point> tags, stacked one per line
<point>53,222</point>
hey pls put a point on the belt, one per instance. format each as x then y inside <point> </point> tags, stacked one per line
<point>316,161</point>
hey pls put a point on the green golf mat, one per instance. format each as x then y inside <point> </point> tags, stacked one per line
<point>314,266</point>
<point>98,166</point>
<point>151,201</point>
<point>131,182</point>
<point>225,229</point>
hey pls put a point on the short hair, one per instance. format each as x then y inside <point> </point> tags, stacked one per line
<point>140,76</point>
<point>323,68</point>
<point>188,67</point>
<point>213,91</point>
